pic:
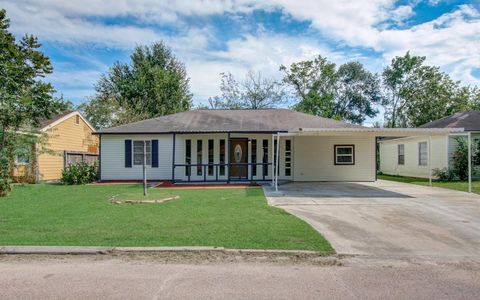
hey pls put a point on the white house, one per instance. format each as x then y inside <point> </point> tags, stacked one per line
<point>408,156</point>
<point>241,145</point>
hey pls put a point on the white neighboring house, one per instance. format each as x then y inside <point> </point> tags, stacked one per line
<point>241,145</point>
<point>408,156</point>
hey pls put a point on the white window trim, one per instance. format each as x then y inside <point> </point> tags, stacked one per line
<point>418,151</point>
<point>398,154</point>
<point>352,155</point>
<point>17,163</point>
<point>133,152</point>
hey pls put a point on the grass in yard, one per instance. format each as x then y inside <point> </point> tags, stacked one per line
<point>83,215</point>
<point>454,185</point>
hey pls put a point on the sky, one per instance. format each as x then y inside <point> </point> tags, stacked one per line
<point>84,38</point>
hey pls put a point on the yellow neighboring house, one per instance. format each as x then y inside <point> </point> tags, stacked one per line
<point>69,139</point>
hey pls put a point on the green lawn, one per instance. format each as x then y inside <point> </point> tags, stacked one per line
<point>82,215</point>
<point>454,185</point>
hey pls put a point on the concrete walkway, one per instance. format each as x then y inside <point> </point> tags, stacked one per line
<point>387,218</point>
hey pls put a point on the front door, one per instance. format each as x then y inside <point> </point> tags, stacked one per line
<point>239,158</point>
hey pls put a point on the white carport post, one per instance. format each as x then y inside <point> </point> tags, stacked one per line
<point>273,158</point>
<point>429,160</point>
<point>469,162</point>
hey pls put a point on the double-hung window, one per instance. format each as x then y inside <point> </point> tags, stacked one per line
<point>222,158</point>
<point>344,154</point>
<point>401,154</point>
<point>188,157</point>
<point>210,157</point>
<point>422,154</point>
<point>138,152</point>
<point>265,157</point>
<point>199,158</point>
<point>288,157</point>
<point>254,157</point>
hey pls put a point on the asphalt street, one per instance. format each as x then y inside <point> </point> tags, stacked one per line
<point>130,277</point>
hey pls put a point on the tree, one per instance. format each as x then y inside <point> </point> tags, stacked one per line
<point>153,84</point>
<point>416,94</point>
<point>348,92</point>
<point>25,98</point>
<point>254,92</point>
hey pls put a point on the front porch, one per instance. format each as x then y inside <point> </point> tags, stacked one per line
<point>227,158</point>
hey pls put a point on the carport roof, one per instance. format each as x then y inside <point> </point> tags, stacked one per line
<point>384,132</point>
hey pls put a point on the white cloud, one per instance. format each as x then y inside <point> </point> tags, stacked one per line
<point>263,53</point>
<point>401,13</point>
<point>450,41</point>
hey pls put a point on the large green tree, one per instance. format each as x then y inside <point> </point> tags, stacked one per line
<point>25,98</point>
<point>153,84</point>
<point>255,91</point>
<point>348,92</point>
<point>416,93</point>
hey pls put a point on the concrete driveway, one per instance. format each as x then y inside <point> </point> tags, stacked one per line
<point>386,218</point>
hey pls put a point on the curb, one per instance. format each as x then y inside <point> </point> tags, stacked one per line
<point>64,250</point>
<point>54,250</point>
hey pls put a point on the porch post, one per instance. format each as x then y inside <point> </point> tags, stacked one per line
<point>469,162</point>
<point>277,164</point>
<point>273,158</point>
<point>173,158</point>
<point>429,160</point>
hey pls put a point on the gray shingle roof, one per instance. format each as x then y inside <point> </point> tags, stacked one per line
<point>244,120</point>
<point>469,120</point>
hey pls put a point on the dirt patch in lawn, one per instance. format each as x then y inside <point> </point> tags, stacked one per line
<point>115,200</point>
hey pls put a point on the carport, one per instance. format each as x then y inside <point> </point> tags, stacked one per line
<point>386,217</point>
<point>369,133</point>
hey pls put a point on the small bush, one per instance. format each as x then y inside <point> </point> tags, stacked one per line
<point>460,159</point>
<point>444,174</point>
<point>81,173</point>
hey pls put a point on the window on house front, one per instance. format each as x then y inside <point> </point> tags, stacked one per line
<point>77,119</point>
<point>138,152</point>
<point>265,157</point>
<point>222,158</point>
<point>188,156</point>
<point>199,158</point>
<point>210,158</point>
<point>422,154</point>
<point>22,159</point>
<point>344,154</point>
<point>254,157</point>
<point>401,154</point>
<point>288,157</point>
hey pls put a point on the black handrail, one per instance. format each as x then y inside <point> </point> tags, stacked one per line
<point>216,169</point>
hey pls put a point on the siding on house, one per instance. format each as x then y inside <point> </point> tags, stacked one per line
<point>66,135</point>
<point>314,159</point>
<point>113,155</point>
<point>389,156</point>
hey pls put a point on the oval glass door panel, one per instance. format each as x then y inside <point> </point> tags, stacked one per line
<point>238,153</point>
